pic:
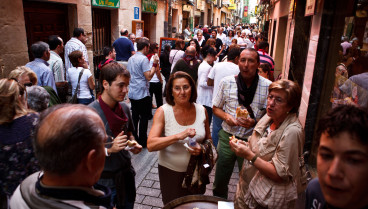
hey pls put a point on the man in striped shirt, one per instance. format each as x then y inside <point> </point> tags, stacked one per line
<point>264,57</point>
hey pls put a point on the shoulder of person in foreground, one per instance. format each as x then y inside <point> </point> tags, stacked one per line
<point>314,195</point>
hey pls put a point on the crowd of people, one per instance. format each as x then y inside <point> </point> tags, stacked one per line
<point>351,76</point>
<point>60,155</point>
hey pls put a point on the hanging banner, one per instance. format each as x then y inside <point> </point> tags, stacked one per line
<point>245,11</point>
<point>149,6</point>
<point>225,1</point>
<point>106,3</point>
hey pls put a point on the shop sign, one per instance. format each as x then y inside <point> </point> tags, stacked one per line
<point>106,3</point>
<point>197,13</point>
<point>136,13</point>
<point>199,4</point>
<point>232,5</point>
<point>225,1</point>
<point>149,6</point>
<point>187,8</point>
<point>310,7</point>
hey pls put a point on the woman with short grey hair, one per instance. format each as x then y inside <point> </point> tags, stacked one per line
<point>38,98</point>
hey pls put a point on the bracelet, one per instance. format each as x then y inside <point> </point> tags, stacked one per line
<point>154,65</point>
<point>253,160</point>
<point>106,153</point>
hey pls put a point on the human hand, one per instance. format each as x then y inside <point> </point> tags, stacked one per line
<point>230,120</point>
<point>85,65</point>
<point>189,132</point>
<point>241,149</point>
<point>245,122</point>
<point>196,150</point>
<point>119,143</point>
<point>155,59</point>
<point>137,148</point>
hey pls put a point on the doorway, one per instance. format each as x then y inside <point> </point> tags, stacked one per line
<point>43,20</point>
<point>146,17</point>
<point>185,20</point>
<point>209,17</point>
<point>280,44</point>
<point>101,27</point>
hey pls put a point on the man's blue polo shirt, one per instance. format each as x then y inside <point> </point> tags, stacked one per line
<point>123,47</point>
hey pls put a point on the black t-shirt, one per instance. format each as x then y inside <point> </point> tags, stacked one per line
<point>218,44</point>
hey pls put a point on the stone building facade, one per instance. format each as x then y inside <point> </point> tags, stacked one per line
<point>23,22</point>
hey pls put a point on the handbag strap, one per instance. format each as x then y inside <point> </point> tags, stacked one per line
<point>79,78</point>
<point>174,56</point>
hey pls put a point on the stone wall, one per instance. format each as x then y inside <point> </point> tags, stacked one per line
<point>13,47</point>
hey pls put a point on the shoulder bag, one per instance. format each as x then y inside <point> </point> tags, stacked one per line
<point>199,168</point>
<point>74,99</point>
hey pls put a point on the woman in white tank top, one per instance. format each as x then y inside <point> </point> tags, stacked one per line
<point>173,123</point>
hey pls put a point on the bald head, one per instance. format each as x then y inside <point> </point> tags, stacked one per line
<point>191,50</point>
<point>65,135</point>
<point>124,32</point>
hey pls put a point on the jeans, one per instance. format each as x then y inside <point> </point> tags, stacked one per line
<point>209,113</point>
<point>225,165</point>
<point>85,101</point>
<point>141,113</point>
<point>216,127</point>
<point>156,89</point>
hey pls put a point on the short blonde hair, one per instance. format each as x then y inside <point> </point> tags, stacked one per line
<point>20,70</point>
<point>10,105</point>
<point>292,90</point>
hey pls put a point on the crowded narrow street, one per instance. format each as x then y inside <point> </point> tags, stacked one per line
<point>190,104</point>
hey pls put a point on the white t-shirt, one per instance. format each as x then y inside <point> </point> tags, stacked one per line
<point>204,91</point>
<point>220,71</point>
<point>247,32</point>
<point>222,37</point>
<point>154,78</point>
<point>174,56</point>
<point>84,90</point>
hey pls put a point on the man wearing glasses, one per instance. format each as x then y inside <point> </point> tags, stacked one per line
<point>118,173</point>
<point>248,91</point>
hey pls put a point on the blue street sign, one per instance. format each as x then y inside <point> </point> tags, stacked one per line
<point>136,13</point>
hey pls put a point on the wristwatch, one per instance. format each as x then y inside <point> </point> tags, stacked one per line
<point>253,160</point>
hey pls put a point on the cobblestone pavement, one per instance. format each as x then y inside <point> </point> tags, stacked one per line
<point>148,187</point>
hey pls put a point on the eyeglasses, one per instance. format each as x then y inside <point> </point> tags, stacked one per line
<point>277,100</point>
